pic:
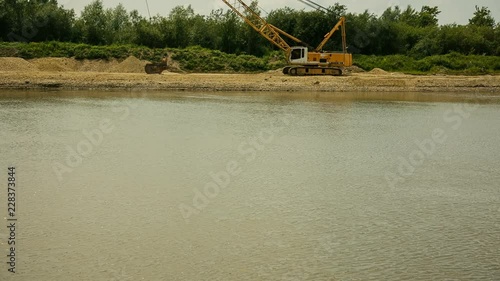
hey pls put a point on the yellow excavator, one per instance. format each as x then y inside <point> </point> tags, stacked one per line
<point>301,60</point>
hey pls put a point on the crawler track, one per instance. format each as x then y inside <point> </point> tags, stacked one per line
<point>311,70</point>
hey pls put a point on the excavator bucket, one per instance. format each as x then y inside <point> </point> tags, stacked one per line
<point>155,68</point>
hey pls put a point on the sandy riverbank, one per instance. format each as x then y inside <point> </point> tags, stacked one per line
<point>63,73</point>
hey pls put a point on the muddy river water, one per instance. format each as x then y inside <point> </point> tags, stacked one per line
<point>250,186</point>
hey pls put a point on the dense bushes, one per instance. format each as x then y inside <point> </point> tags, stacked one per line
<point>79,51</point>
<point>453,63</point>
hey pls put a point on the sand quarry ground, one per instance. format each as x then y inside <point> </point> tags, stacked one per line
<point>69,73</point>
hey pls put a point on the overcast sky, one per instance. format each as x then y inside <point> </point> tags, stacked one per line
<point>452,11</point>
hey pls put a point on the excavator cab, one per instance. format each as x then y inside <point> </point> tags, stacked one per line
<point>298,55</point>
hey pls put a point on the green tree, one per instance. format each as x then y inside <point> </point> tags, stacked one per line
<point>392,14</point>
<point>482,17</point>
<point>58,22</point>
<point>359,32</point>
<point>212,36</point>
<point>119,29</point>
<point>409,16</point>
<point>180,19</point>
<point>231,29</point>
<point>8,17</point>
<point>40,20</point>
<point>428,45</point>
<point>254,43</point>
<point>92,24</point>
<point>284,18</point>
<point>148,33</point>
<point>428,16</point>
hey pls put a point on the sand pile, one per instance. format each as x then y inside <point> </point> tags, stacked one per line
<point>174,66</point>
<point>16,64</point>
<point>378,71</point>
<point>129,65</point>
<point>72,64</point>
<point>97,65</point>
<point>354,69</point>
<point>56,64</point>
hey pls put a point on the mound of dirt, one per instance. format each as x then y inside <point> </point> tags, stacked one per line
<point>56,64</point>
<point>166,72</point>
<point>173,66</point>
<point>354,69</point>
<point>378,71</point>
<point>16,64</point>
<point>129,65</point>
<point>97,65</point>
<point>275,72</point>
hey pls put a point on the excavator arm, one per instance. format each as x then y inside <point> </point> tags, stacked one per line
<point>340,24</point>
<point>297,40</point>
<point>267,30</point>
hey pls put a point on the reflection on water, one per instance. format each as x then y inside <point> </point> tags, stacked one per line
<point>340,96</point>
<point>254,186</point>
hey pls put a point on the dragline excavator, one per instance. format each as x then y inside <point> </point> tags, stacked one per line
<point>301,60</point>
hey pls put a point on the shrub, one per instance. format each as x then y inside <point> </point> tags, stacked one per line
<point>453,63</point>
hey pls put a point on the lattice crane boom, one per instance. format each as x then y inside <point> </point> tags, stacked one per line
<point>267,30</point>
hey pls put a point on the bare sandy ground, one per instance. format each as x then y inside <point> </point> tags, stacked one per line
<point>359,82</point>
<point>61,73</point>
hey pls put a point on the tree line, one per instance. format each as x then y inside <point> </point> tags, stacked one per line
<point>405,31</point>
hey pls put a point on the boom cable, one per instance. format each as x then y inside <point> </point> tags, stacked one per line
<point>315,5</point>
<point>149,13</point>
<point>260,8</point>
